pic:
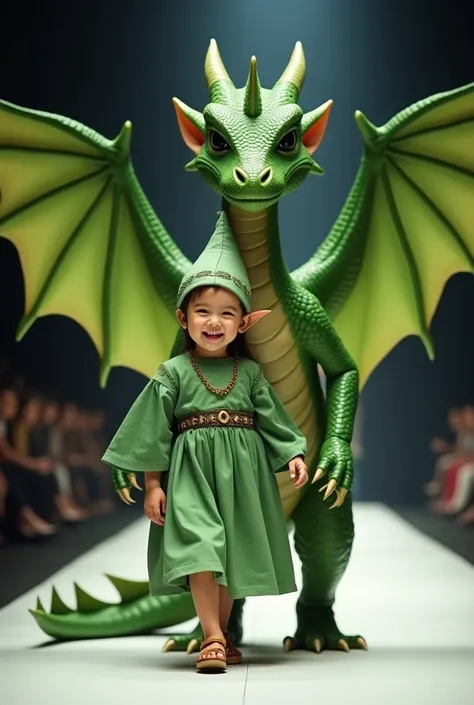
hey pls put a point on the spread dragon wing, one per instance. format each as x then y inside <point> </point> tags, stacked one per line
<point>90,246</point>
<point>407,226</point>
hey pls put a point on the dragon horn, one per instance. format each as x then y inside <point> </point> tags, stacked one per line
<point>293,76</point>
<point>217,79</point>
<point>253,98</point>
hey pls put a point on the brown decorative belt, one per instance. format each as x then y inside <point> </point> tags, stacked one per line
<point>220,417</point>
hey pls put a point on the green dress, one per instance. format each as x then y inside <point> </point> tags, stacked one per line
<point>224,512</point>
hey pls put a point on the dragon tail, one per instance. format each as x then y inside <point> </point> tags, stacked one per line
<point>136,613</point>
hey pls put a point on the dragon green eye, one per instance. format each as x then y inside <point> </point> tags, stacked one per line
<point>217,142</point>
<point>288,142</point>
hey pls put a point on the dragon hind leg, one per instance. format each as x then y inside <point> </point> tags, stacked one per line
<point>323,542</point>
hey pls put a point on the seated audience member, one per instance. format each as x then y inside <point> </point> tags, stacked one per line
<point>45,441</point>
<point>448,452</point>
<point>92,425</point>
<point>77,457</point>
<point>40,488</point>
<point>18,519</point>
<point>458,474</point>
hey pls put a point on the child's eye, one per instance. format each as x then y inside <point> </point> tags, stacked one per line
<point>228,313</point>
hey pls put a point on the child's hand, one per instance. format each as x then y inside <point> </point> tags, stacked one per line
<point>298,471</point>
<point>155,505</point>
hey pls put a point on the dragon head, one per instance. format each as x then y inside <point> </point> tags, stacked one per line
<point>253,145</point>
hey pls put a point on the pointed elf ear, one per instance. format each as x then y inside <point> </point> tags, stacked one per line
<point>191,125</point>
<point>250,319</point>
<point>313,126</point>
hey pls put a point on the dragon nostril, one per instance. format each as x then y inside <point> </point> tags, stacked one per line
<point>240,176</point>
<point>266,176</point>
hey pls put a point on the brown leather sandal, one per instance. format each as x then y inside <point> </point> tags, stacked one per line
<point>233,655</point>
<point>205,663</point>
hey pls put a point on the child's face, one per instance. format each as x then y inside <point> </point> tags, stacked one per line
<point>213,319</point>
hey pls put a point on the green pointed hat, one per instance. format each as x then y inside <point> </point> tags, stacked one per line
<point>220,264</point>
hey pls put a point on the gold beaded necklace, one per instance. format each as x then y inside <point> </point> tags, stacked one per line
<point>215,390</point>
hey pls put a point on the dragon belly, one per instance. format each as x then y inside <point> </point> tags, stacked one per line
<point>272,344</point>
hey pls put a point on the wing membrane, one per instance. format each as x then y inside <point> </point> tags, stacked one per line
<point>90,245</point>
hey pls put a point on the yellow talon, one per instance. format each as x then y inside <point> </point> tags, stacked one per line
<point>318,476</point>
<point>133,481</point>
<point>125,495</point>
<point>343,645</point>
<point>193,645</point>
<point>289,644</point>
<point>330,488</point>
<point>317,645</point>
<point>341,495</point>
<point>362,642</point>
<point>169,646</point>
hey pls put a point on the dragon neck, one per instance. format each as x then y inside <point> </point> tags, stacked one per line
<point>257,236</point>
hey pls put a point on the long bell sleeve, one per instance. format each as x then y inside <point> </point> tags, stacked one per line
<point>282,438</point>
<point>143,442</point>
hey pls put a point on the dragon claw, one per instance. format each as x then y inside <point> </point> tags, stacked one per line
<point>317,631</point>
<point>318,475</point>
<point>193,646</point>
<point>341,495</point>
<point>336,459</point>
<point>343,645</point>
<point>125,496</point>
<point>289,644</point>
<point>330,642</point>
<point>189,642</point>
<point>133,481</point>
<point>331,486</point>
<point>169,645</point>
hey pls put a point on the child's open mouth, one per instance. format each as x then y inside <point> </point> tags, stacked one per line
<point>213,336</point>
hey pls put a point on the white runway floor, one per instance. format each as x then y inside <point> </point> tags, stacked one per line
<point>412,599</point>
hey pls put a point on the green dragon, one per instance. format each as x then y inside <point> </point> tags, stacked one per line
<point>92,248</point>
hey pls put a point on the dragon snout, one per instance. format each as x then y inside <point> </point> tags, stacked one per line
<point>264,178</point>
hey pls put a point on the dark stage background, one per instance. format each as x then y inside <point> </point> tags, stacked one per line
<point>104,62</point>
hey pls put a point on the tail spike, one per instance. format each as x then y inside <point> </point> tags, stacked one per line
<point>57,605</point>
<point>88,603</point>
<point>129,590</point>
<point>39,606</point>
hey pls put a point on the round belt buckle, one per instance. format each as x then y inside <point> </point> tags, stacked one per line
<point>223,417</point>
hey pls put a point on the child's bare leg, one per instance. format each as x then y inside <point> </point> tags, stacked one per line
<point>226,602</point>
<point>205,592</point>
<point>225,607</point>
